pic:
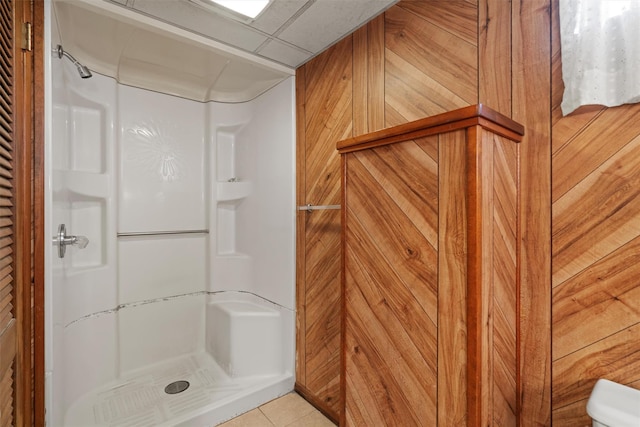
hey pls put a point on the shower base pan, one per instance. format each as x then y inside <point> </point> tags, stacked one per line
<point>159,396</point>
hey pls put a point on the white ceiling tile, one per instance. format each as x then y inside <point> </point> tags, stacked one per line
<point>327,21</point>
<point>277,14</point>
<point>193,18</point>
<point>283,53</point>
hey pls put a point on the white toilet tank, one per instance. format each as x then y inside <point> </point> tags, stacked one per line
<point>614,405</point>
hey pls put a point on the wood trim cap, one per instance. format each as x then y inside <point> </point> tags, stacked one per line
<point>478,114</point>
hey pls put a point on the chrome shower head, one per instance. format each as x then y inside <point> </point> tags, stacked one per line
<point>82,70</point>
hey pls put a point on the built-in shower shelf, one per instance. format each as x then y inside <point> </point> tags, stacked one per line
<point>233,191</point>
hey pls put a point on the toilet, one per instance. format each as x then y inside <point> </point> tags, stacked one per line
<point>614,405</point>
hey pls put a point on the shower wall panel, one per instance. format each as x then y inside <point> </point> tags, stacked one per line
<point>254,210</point>
<point>162,187</point>
<point>150,268</point>
<point>129,160</point>
<point>83,182</point>
<point>266,156</point>
<point>162,162</point>
<point>152,333</point>
<point>83,191</point>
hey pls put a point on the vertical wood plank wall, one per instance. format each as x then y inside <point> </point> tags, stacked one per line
<point>530,104</point>
<point>596,248</point>
<point>422,58</point>
<point>452,269</point>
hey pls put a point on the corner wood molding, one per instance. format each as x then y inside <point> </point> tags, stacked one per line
<point>462,118</point>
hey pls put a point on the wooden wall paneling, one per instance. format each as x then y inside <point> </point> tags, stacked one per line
<point>609,195</point>
<point>322,308</point>
<point>556,72</point>
<point>479,279</point>
<point>452,280</point>
<point>595,289</point>
<point>368,77</point>
<point>301,200</point>
<point>430,64</point>
<point>494,55</point>
<point>457,17</point>
<point>612,357</point>
<point>588,149</point>
<point>565,129</point>
<point>394,209</point>
<point>421,43</point>
<point>394,263</point>
<point>410,94</point>
<point>515,66</point>
<point>598,302</point>
<point>505,283</point>
<point>492,292</point>
<point>325,107</point>
<point>328,112</point>
<point>531,58</point>
<point>360,80</point>
<point>375,77</point>
<point>495,82</point>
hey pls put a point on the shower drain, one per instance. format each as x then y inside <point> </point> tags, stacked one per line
<point>176,387</point>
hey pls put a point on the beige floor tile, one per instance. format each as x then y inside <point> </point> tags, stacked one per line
<point>253,418</point>
<point>287,409</point>
<point>314,419</point>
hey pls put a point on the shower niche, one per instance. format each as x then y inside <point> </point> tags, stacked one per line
<point>81,167</point>
<point>232,188</point>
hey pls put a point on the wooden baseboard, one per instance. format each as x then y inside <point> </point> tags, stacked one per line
<point>308,395</point>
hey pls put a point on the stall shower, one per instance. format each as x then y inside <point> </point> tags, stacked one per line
<point>180,309</point>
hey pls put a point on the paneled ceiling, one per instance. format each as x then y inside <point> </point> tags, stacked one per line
<point>289,32</point>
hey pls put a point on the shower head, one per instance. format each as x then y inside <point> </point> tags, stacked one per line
<point>82,70</point>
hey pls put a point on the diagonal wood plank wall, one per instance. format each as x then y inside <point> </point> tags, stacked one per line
<point>391,263</point>
<point>422,58</point>
<point>324,115</point>
<point>596,244</point>
<point>430,283</point>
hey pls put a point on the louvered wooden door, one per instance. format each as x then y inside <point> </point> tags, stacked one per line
<point>16,214</point>
<point>8,323</point>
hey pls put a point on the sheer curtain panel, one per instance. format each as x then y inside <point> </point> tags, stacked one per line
<point>600,41</point>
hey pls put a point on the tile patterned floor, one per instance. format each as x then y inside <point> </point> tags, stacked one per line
<point>290,410</point>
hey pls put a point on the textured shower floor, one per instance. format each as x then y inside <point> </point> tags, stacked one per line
<point>139,399</point>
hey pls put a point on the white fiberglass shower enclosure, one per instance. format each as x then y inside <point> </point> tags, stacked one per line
<point>188,206</point>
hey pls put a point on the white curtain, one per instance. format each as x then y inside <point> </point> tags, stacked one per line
<point>600,52</point>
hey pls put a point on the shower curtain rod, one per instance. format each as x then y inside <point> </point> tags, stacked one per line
<point>161,233</point>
